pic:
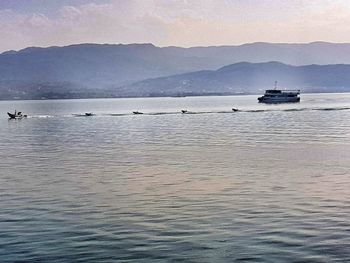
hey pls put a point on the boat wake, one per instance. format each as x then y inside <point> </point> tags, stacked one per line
<point>191,112</point>
<point>40,116</point>
<point>334,108</point>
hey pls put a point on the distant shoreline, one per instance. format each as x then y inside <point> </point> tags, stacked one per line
<point>159,96</point>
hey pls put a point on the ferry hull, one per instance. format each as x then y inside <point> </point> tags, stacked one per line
<point>278,100</point>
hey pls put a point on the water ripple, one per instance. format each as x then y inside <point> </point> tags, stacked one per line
<point>263,184</point>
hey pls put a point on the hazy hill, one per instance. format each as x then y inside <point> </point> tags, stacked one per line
<point>85,64</point>
<point>93,70</point>
<point>321,53</point>
<point>248,78</point>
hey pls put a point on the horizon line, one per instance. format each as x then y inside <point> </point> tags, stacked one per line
<point>174,46</point>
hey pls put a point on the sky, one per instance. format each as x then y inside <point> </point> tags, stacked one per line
<point>185,23</point>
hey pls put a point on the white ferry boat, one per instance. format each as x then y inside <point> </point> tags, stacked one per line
<point>280,96</point>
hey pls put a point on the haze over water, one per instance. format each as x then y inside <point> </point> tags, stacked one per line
<point>269,183</point>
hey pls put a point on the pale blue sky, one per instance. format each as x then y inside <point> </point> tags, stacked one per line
<point>186,23</point>
<point>47,7</point>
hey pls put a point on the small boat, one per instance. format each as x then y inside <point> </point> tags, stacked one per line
<point>280,96</point>
<point>16,115</point>
<point>184,111</point>
<point>137,112</point>
<point>234,109</point>
<point>89,114</point>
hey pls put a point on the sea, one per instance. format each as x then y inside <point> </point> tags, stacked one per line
<point>266,183</point>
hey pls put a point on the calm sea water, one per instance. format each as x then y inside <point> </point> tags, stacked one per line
<point>270,183</point>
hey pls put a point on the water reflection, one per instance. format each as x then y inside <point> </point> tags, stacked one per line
<point>265,186</point>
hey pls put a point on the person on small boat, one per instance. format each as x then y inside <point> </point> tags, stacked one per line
<point>16,115</point>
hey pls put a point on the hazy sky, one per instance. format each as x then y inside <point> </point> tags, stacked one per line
<point>185,23</point>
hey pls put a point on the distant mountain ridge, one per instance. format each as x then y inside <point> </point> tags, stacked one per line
<point>105,70</point>
<point>248,78</point>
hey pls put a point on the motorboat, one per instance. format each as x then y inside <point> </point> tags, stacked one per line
<point>16,115</point>
<point>184,111</point>
<point>280,96</point>
<point>89,114</point>
<point>234,109</point>
<point>137,112</point>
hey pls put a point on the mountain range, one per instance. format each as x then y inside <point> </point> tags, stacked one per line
<point>247,78</point>
<point>101,70</point>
